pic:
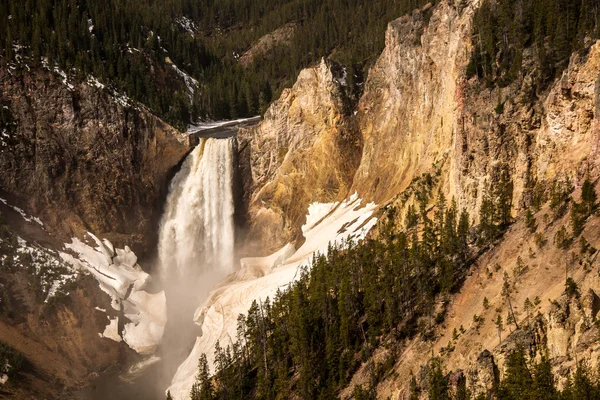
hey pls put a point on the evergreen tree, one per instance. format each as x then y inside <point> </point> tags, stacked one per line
<point>517,382</point>
<point>544,385</point>
<point>202,388</point>
<point>439,389</point>
<point>588,197</point>
<point>530,221</point>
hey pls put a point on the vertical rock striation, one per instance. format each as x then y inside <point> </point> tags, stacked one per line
<point>81,161</point>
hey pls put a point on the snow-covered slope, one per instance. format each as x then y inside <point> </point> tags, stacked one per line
<point>259,278</point>
<point>119,275</point>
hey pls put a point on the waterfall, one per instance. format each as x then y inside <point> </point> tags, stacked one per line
<point>197,229</point>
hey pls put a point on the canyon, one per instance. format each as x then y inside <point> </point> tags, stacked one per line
<point>318,168</point>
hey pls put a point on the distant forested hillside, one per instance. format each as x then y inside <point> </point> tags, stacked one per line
<point>550,29</point>
<point>132,43</point>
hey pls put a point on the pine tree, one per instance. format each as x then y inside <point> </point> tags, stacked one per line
<point>583,388</point>
<point>544,385</point>
<point>518,381</point>
<point>463,234</point>
<point>530,221</point>
<point>561,239</point>
<point>499,327</point>
<point>202,388</point>
<point>588,197</point>
<point>412,218</point>
<point>487,228</point>
<point>503,193</point>
<point>577,219</point>
<point>438,383</point>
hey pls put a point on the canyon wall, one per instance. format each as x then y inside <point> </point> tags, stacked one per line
<point>420,115</point>
<point>81,160</point>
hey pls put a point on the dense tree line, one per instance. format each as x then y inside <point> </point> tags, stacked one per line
<point>503,30</point>
<point>310,339</point>
<point>127,43</point>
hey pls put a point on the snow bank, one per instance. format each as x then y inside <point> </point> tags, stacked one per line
<point>261,277</point>
<point>148,313</point>
<point>119,275</point>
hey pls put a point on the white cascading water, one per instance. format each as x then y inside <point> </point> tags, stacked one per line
<point>197,228</point>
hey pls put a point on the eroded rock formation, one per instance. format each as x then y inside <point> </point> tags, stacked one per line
<point>79,160</point>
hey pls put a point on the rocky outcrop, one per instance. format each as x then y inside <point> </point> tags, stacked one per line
<point>266,44</point>
<point>80,160</point>
<point>304,150</point>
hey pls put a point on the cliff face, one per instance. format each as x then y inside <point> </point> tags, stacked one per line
<point>407,114</point>
<point>80,160</point>
<point>418,115</point>
<point>304,150</point>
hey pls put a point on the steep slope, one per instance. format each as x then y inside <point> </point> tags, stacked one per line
<point>420,116</point>
<point>554,321</point>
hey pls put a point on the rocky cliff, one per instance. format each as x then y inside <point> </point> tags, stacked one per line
<point>79,159</point>
<point>306,149</point>
<point>420,115</point>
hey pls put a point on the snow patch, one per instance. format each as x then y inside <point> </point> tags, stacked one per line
<point>187,24</point>
<point>261,277</point>
<point>203,126</point>
<point>94,82</point>
<point>51,273</point>
<point>191,83</point>
<point>26,217</point>
<point>119,275</point>
<point>112,330</point>
<point>59,72</point>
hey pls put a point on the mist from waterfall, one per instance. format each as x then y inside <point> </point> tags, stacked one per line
<point>196,245</point>
<point>197,229</point>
